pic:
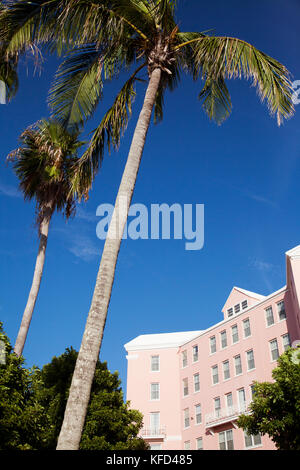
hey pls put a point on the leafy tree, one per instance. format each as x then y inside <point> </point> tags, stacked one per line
<point>23,419</point>
<point>44,166</point>
<point>110,424</point>
<point>275,409</point>
<point>108,36</point>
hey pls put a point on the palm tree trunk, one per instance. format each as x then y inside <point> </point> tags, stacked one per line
<point>79,396</point>
<point>35,286</point>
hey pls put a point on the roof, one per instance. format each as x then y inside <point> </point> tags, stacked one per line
<point>162,340</point>
<point>294,252</point>
<point>250,294</point>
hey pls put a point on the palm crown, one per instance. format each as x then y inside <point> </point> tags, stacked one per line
<point>44,165</point>
<point>118,34</point>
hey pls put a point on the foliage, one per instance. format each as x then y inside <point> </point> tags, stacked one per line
<point>44,165</point>
<point>110,425</point>
<point>275,409</point>
<point>23,419</point>
<point>32,405</point>
<point>129,36</point>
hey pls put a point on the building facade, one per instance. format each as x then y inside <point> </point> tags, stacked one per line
<point>192,386</point>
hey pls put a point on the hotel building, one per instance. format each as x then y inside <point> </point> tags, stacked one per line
<point>191,386</point>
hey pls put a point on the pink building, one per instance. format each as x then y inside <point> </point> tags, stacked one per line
<point>192,386</point>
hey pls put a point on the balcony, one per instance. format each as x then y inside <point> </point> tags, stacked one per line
<point>153,433</point>
<point>225,415</point>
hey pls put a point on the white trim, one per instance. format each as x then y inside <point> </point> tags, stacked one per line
<point>131,356</point>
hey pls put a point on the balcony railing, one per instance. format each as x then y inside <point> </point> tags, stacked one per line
<point>153,433</point>
<point>224,415</point>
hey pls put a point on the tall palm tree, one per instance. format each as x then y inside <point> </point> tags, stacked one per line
<point>113,35</point>
<point>44,166</point>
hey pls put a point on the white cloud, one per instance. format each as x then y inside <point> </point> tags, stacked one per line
<point>83,247</point>
<point>10,191</point>
<point>262,265</point>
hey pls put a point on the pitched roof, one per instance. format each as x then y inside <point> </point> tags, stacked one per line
<point>162,340</point>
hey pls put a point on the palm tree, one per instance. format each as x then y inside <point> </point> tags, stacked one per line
<point>108,36</point>
<point>44,166</point>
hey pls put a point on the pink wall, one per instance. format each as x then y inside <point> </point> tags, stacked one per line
<point>172,402</point>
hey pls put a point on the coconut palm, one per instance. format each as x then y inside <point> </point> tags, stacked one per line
<point>110,36</point>
<point>44,166</point>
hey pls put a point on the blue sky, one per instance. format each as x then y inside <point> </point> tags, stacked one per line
<point>246,172</point>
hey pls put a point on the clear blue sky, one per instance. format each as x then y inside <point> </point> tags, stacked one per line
<point>246,172</point>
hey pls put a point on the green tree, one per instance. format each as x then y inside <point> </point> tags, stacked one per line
<point>110,424</point>
<point>44,166</point>
<point>130,35</point>
<point>23,420</point>
<point>275,409</point>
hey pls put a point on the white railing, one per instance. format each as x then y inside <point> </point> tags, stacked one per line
<point>154,432</point>
<point>224,415</point>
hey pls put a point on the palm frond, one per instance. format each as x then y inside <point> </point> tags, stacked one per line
<point>216,99</point>
<point>107,134</point>
<point>225,57</point>
<point>78,86</point>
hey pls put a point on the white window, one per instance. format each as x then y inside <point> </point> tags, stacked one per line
<point>154,391</point>
<point>213,344</point>
<point>198,414</point>
<point>235,334</point>
<point>185,387</point>
<point>230,312</point>
<point>215,374</point>
<point>244,304</point>
<point>186,417</point>
<point>242,399</point>
<point>199,443</point>
<point>269,316</point>
<point>286,342</point>
<point>195,353</point>
<point>184,358</point>
<point>155,446</point>
<point>196,383</point>
<point>250,360</point>
<point>274,349</point>
<point>252,388</point>
<point>247,329</point>
<point>223,339</point>
<point>229,403</point>
<point>281,310</point>
<point>238,365</point>
<point>226,440</point>
<point>237,308</point>
<point>154,423</point>
<point>226,370</point>
<point>154,363</point>
<point>252,440</point>
<point>187,445</point>
<point>217,407</point>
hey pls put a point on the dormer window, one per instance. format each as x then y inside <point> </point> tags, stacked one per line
<point>230,312</point>
<point>237,308</point>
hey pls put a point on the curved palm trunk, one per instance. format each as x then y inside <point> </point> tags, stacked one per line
<point>35,286</point>
<point>75,413</point>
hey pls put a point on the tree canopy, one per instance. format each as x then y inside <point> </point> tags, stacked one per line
<point>275,409</point>
<point>33,402</point>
